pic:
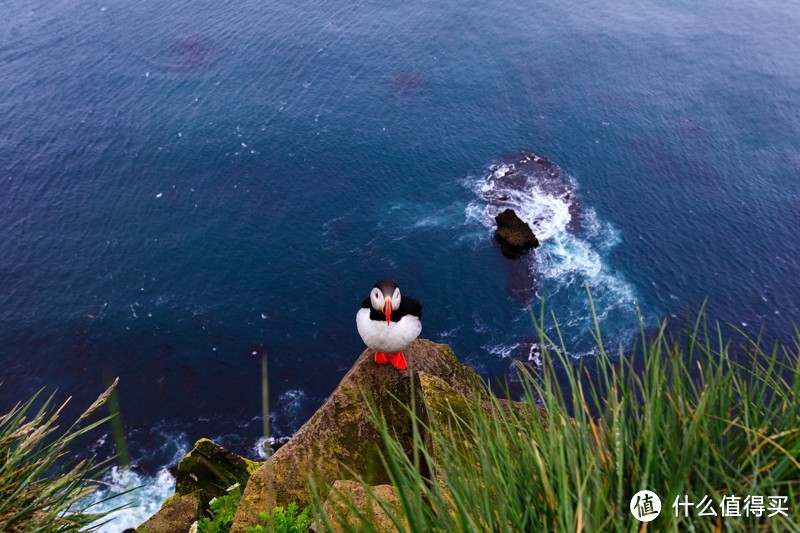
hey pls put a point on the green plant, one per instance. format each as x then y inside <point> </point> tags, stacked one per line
<point>223,510</point>
<point>42,486</point>
<point>688,417</point>
<point>284,520</point>
<point>281,520</point>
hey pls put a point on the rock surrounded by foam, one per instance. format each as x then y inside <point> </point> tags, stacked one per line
<point>536,188</point>
<point>543,198</point>
<point>514,235</point>
<point>573,251</point>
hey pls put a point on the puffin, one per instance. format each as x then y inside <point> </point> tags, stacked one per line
<point>388,322</point>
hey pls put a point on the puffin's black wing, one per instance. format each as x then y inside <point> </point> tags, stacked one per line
<point>408,306</point>
<point>373,314</point>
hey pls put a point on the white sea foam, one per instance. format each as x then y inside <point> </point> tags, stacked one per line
<point>501,350</point>
<point>572,253</point>
<point>548,214</point>
<point>259,450</point>
<point>141,494</point>
<point>288,413</point>
<point>533,355</point>
<point>291,401</point>
<point>150,492</point>
<point>284,420</point>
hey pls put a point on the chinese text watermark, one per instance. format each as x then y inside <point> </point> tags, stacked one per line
<point>646,506</point>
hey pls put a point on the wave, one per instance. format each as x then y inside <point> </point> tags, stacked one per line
<point>574,249</point>
<point>140,493</point>
<point>146,495</point>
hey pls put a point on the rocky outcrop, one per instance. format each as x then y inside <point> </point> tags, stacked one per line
<point>514,235</point>
<point>338,446</point>
<point>177,514</point>
<point>206,472</point>
<point>341,442</point>
<point>209,470</point>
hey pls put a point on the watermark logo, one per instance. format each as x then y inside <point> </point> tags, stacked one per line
<point>645,505</point>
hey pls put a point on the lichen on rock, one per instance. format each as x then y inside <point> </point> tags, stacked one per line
<point>209,470</point>
<point>346,495</point>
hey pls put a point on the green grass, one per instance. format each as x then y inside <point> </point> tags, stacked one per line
<point>42,485</point>
<point>694,416</point>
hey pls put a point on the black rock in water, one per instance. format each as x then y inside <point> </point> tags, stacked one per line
<point>513,234</point>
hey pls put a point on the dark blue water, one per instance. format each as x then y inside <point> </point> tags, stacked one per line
<point>183,181</point>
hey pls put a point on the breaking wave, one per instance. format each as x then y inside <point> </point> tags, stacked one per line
<point>573,252</point>
<point>140,493</point>
<point>141,503</point>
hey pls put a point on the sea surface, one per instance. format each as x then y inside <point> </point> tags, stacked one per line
<point>185,183</point>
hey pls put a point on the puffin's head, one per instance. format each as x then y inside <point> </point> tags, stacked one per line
<point>385,298</point>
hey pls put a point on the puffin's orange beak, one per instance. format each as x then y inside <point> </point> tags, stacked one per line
<point>387,310</point>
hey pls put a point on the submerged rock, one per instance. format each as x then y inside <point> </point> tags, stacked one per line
<point>514,235</point>
<point>407,83</point>
<point>341,442</point>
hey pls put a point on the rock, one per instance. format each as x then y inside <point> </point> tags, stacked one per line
<point>513,234</point>
<point>209,470</point>
<point>341,517</point>
<point>445,408</point>
<point>340,441</point>
<point>177,514</point>
<point>442,401</point>
<point>529,182</point>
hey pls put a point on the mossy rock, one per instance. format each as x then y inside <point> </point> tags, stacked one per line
<point>177,514</point>
<point>444,405</point>
<point>346,495</point>
<point>340,441</point>
<point>209,470</point>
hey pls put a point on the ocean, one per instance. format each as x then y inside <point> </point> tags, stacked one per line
<point>184,183</point>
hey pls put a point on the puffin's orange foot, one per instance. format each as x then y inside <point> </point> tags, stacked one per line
<point>381,358</point>
<point>398,361</point>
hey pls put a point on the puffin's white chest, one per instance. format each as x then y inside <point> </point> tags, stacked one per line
<point>388,338</point>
